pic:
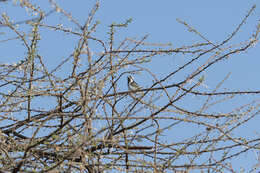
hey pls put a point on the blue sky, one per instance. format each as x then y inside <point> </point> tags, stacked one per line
<point>214,19</point>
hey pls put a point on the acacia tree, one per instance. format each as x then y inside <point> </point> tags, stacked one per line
<point>93,125</point>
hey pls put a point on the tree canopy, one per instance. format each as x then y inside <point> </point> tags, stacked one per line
<point>78,115</point>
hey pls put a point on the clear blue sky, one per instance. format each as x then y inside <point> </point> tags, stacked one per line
<point>214,19</point>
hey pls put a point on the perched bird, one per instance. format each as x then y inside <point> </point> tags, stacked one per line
<point>132,85</point>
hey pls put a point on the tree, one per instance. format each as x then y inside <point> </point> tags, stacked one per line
<point>76,118</point>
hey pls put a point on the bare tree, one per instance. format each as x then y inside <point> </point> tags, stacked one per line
<point>77,118</point>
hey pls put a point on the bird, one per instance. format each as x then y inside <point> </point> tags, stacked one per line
<point>132,85</point>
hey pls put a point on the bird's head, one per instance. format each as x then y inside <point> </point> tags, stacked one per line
<point>130,79</point>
